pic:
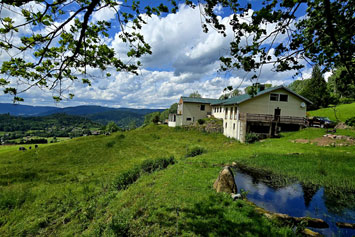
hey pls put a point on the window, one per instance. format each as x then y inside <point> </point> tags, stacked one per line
<point>188,119</point>
<point>220,109</point>
<point>283,97</point>
<point>226,125</point>
<point>202,107</point>
<point>274,97</point>
<point>231,114</point>
<point>226,115</point>
<point>233,126</point>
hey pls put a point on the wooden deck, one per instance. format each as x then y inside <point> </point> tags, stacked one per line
<point>268,118</point>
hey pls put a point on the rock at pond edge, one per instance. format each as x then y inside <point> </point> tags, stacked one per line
<point>225,181</point>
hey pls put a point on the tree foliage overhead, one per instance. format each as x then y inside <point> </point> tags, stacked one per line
<point>342,84</point>
<point>61,41</point>
<point>64,41</point>
<point>325,35</point>
<point>229,92</point>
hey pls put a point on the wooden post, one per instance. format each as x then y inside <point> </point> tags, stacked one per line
<point>270,130</point>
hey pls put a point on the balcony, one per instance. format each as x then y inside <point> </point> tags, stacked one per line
<point>267,118</point>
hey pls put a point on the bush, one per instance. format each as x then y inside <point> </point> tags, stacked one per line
<point>119,225</point>
<point>195,151</point>
<point>155,136</point>
<point>121,136</point>
<point>125,179</point>
<point>148,166</point>
<point>252,137</point>
<point>201,121</point>
<point>110,144</point>
<point>346,100</point>
<point>350,121</point>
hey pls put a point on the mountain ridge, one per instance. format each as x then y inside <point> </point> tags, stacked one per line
<point>122,116</point>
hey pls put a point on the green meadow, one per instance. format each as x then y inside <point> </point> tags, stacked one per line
<point>68,189</point>
<point>343,112</point>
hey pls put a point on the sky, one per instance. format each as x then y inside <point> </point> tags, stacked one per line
<point>184,60</point>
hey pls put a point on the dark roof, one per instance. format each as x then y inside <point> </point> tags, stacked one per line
<point>199,100</point>
<point>242,98</point>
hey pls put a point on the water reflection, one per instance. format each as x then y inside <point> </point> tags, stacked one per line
<point>298,200</point>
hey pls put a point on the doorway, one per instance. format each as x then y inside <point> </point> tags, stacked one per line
<point>277,114</point>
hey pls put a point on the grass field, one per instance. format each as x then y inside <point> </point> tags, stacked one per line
<point>343,112</point>
<point>66,188</point>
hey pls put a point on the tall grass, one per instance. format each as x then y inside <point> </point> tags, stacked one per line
<point>66,188</point>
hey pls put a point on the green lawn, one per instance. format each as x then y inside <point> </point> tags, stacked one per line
<point>66,188</point>
<point>343,112</point>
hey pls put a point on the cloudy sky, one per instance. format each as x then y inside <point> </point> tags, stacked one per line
<point>184,60</point>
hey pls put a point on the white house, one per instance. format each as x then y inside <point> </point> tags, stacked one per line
<point>190,110</point>
<point>268,112</point>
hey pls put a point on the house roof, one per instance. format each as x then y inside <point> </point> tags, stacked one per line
<point>199,100</point>
<point>242,98</point>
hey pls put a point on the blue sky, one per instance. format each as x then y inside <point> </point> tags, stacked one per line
<point>184,60</point>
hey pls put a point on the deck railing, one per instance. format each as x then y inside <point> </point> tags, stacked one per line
<point>271,118</point>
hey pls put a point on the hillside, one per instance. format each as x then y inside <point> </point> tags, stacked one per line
<point>69,188</point>
<point>343,112</point>
<point>122,116</point>
<point>10,123</point>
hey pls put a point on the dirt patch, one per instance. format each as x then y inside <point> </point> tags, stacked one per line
<point>300,141</point>
<point>342,125</point>
<point>329,140</point>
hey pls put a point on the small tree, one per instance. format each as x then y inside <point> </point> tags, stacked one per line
<point>341,84</point>
<point>112,127</point>
<point>152,118</point>
<point>316,90</point>
<point>132,125</point>
<point>228,92</point>
<point>173,108</point>
<point>195,94</point>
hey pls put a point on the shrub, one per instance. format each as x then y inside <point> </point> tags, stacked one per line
<point>125,179</point>
<point>110,144</point>
<point>119,225</point>
<point>346,100</point>
<point>252,137</point>
<point>201,121</point>
<point>195,151</point>
<point>155,136</point>
<point>121,136</point>
<point>350,121</point>
<point>148,166</point>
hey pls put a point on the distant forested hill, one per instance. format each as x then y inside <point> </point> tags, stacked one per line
<point>10,123</point>
<point>124,117</point>
<point>25,110</point>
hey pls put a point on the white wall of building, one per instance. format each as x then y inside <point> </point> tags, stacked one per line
<point>218,111</point>
<point>191,112</point>
<point>262,105</point>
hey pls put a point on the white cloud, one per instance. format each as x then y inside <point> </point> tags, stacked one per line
<point>184,60</point>
<point>105,14</point>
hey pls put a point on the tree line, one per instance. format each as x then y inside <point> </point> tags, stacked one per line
<point>338,89</point>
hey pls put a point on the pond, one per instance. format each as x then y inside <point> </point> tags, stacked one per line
<point>295,199</point>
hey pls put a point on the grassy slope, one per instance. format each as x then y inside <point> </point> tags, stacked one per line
<point>66,189</point>
<point>344,112</point>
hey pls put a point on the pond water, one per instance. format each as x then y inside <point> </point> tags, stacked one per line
<point>298,200</point>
